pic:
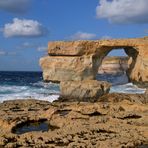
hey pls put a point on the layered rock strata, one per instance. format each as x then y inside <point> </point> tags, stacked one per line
<point>117,120</point>
<point>67,68</point>
<point>113,65</point>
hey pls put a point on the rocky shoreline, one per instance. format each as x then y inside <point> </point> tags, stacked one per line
<point>86,115</point>
<point>114,120</point>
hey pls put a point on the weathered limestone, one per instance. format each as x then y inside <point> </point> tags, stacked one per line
<point>116,121</point>
<point>80,60</point>
<point>88,90</point>
<point>138,69</point>
<point>66,68</point>
<point>84,58</point>
<point>72,48</point>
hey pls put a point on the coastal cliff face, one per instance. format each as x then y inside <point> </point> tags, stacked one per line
<point>113,65</point>
<point>80,60</point>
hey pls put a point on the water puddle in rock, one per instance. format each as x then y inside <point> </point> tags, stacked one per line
<point>143,146</point>
<point>30,126</point>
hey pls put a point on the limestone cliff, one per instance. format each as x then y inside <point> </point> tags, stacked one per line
<point>113,65</point>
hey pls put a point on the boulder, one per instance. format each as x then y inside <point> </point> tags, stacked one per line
<point>67,68</point>
<point>88,90</point>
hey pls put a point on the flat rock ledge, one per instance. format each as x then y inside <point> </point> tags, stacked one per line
<point>114,121</point>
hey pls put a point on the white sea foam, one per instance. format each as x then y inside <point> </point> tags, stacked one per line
<point>49,98</point>
<point>127,88</point>
<point>39,90</point>
<point>50,91</point>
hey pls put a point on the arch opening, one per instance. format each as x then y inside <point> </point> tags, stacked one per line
<point>119,68</point>
<point>114,66</point>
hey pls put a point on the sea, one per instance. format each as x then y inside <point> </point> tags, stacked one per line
<point>30,85</point>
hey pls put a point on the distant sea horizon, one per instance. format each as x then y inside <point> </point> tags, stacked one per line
<point>18,71</point>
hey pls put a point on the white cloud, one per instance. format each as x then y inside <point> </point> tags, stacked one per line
<point>2,52</point>
<point>24,28</point>
<point>27,45</point>
<point>123,11</point>
<point>82,36</point>
<point>42,48</point>
<point>15,6</point>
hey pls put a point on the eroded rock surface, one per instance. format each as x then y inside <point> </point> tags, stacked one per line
<point>87,90</point>
<point>117,121</point>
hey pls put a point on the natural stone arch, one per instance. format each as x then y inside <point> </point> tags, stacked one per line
<point>79,60</point>
<point>131,52</point>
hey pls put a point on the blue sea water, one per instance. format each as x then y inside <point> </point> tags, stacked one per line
<point>21,85</point>
<point>120,83</point>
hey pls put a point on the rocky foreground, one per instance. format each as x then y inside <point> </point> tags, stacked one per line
<point>115,120</point>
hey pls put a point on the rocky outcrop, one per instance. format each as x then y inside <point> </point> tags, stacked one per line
<point>113,65</point>
<point>115,122</point>
<point>88,90</point>
<point>80,60</point>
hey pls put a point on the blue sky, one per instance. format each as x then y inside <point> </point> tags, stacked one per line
<point>26,26</point>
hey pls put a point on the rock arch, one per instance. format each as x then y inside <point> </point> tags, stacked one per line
<point>79,60</point>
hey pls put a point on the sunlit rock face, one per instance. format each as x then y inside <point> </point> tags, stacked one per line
<point>67,68</point>
<point>80,60</point>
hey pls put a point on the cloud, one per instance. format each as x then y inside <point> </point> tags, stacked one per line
<point>24,28</point>
<point>123,11</point>
<point>2,52</point>
<point>14,6</point>
<point>42,48</point>
<point>82,36</point>
<point>27,45</point>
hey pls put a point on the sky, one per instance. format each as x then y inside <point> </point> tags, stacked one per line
<point>26,26</point>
